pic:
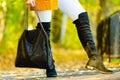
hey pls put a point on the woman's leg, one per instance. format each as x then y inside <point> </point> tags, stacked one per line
<point>80,18</point>
<point>71,7</point>
<point>45,17</point>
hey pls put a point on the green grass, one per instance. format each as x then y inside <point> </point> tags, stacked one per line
<point>113,60</point>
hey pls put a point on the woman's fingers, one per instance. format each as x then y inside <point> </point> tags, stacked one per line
<point>30,4</point>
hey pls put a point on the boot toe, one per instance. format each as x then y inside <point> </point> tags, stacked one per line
<point>104,71</point>
<point>51,73</point>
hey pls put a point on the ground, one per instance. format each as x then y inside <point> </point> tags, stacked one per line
<point>69,66</point>
<point>76,74</point>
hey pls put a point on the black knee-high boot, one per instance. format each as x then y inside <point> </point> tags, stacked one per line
<point>86,38</point>
<point>49,72</point>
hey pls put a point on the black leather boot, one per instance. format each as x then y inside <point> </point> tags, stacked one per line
<point>86,38</point>
<point>49,72</point>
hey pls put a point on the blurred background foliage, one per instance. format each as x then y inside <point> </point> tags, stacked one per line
<point>12,18</point>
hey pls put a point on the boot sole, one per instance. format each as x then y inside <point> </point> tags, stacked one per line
<point>93,68</point>
<point>51,75</point>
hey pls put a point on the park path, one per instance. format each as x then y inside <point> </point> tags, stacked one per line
<point>77,74</point>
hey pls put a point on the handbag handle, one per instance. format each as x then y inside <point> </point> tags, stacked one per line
<point>26,22</point>
<point>41,25</point>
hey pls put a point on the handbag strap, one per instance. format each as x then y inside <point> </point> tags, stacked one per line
<point>42,28</point>
<point>41,24</point>
<point>26,19</point>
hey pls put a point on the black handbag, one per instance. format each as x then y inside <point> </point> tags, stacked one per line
<point>34,49</point>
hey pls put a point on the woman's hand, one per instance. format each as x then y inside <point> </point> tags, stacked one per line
<point>30,4</point>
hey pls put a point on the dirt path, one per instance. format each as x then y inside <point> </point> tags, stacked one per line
<point>78,74</point>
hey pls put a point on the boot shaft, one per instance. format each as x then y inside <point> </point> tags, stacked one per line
<point>46,26</point>
<point>84,33</point>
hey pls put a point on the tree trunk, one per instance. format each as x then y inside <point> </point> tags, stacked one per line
<point>2,24</point>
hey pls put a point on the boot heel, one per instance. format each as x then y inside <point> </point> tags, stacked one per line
<point>89,67</point>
